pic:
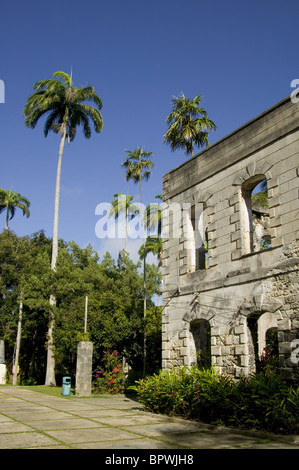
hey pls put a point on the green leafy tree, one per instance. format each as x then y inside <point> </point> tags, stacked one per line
<point>115,304</point>
<point>189,125</point>
<point>115,314</point>
<point>25,279</point>
<point>66,109</point>
<point>10,201</point>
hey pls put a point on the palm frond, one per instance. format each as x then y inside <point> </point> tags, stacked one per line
<point>64,104</point>
<point>188,124</point>
<point>67,79</point>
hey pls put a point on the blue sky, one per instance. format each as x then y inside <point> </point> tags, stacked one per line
<point>240,56</point>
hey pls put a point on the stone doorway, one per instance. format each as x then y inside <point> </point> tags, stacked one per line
<point>262,337</point>
<point>201,333</point>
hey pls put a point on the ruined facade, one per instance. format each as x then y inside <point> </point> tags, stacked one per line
<point>231,249</point>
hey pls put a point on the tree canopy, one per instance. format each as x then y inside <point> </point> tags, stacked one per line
<point>115,304</point>
<point>189,125</point>
<point>10,201</point>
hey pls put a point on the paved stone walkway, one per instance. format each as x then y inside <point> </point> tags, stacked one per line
<point>32,420</point>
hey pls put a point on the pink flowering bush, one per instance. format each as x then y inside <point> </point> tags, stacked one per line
<point>111,378</point>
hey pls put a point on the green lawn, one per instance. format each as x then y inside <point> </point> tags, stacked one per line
<point>47,389</point>
<point>54,391</point>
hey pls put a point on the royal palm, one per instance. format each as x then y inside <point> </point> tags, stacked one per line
<point>189,125</point>
<point>66,109</point>
<point>123,203</point>
<point>138,167</point>
<point>153,220</point>
<point>10,201</point>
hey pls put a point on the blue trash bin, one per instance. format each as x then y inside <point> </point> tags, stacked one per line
<point>66,386</point>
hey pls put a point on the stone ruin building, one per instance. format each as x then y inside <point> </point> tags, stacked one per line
<point>231,249</point>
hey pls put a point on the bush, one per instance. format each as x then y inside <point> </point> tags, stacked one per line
<point>111,379</point>
<point>263,401</point>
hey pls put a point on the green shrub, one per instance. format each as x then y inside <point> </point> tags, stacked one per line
<point>263,401</point>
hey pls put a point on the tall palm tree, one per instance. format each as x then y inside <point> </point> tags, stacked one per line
<point>152,245</point>
<point>153,216</point>
<point>138,167</point>
<point>10,201</point>
<point>66,109</point>
<point>123,203</point>
<point>189,125</point>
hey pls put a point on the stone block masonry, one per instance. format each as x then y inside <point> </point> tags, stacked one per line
<point>84,368</point>
<point>235,262</point>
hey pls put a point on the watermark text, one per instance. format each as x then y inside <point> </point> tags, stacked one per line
<point>2,91</point>
<point>295,93</point>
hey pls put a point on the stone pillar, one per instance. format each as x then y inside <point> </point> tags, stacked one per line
<point>2,364</point>
<point>84,368</point>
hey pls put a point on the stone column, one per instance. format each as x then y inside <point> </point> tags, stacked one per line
<point>84,368</point>
<point>2,364</point>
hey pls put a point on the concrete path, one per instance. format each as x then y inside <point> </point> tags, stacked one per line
<point>32,420</point>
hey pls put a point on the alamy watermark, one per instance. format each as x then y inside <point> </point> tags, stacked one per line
<point>295,93</point>
<point>295,351</point>
<point>2,91</point>
<point>176,220</point>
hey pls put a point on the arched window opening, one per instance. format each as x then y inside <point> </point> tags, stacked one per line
<point>200,240</point>
<point>201,332</point>
<point>252,324</point>
<point>262,341</point>
<point>256,221</point>
<point>270,356</point>
<point>206,245</point>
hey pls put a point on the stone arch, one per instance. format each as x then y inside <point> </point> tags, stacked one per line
<point>199,327</point>
<point>253,170</point>
<point>261,313</point>
<point>195,226</point>
<point>267,321</point>
<point>200,219</point>
<point>255,219</point>
<point>258,325</point>
<point>201,334</point>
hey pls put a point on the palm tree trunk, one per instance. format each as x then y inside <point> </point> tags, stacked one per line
<point>50,371</point>
<point>144,287</point>
<point>7,217</point>
<point>127,222</point>
<point>56,207</point>
<point>18,341</point>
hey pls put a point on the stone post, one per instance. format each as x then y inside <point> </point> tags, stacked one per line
<point>84,368</point>
<point>2,364</point>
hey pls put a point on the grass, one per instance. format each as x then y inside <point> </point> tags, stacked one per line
<point>46,389</point>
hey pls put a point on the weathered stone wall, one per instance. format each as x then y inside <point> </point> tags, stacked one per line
<point>240,283</point>
<point>84,368</point>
